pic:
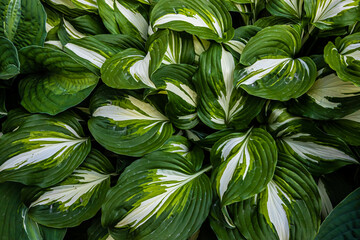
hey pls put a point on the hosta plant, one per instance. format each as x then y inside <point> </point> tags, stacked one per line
<point>186,119</point>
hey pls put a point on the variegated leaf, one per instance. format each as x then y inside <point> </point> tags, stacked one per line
<point>200,46</point>
<point>344,57</point>
<point>88,5</point>
<point>221,105</point>
<point>272,70</point>
<point>292,9</point>
<point>289,207</point>
<point>328,98</point>
<point>329,14</point>
<point>156,196</point>
<point>182,106</point>
<point>23,22</point>
<point>347,128</point>
<point>244,163</point>
<point>208,19</point>
<point>77,198</point>
<point>94,50</point>
<point>9,60</point>
<point>53,81</point>
<point>319,152</point>
<point>132,18</point>
<point>127,125</point>
<point>43,150</point>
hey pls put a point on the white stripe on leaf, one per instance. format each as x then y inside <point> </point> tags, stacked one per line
<point>140,71</point>
<point>242,156</point>
<point>296,5</point>
<point>276,210</point>
<point>191,18</point>
<point>170,181</point>
<point>93,57</point>
<point>134,18</point>
<point>144,111</point>
<point>67,195</point>
<point>48,148</point>
<point>326,9</point>
<point>72,31</point>
<point>309,149</point>
<point>331,86</point>
<point>184,92</point>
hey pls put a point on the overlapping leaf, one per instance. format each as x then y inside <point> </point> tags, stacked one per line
<point>286,8</point>
<point>54,81</point>
<point>182,106</point>
<point>344,57</point>
<point>9,61</point>
<point>23,22</point>
<point>127,125</point>
<point>159,196</point>
<point>244,163</point>
<point>93,51</point>
<point>43,150</point>
<point>329,14</point>
<point>206,19</point>
<point>221,105</point>
<point>77,198</point>
<point>273,71</point>
<point>289,207</point>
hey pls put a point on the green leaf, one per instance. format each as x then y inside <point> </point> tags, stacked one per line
<point>221,105</point>
<point>54,81</point>
<point>94,50</point>
<point>43,150</point>
<point>23,22</point>
<point>319,152</point>
<point>244,163</point>
<point>160,195</point>
<point>343,221</point>
<point>289,207</point>
<point>206,19</point>
<point>88,5</point>
<point>96,231</point>
<point>286,8</point>
<point>132,18</point>
<point>182,106</point>
<point>3,111</point>
<point>126,125</point>
<point>200,46</point>
<point>9,61</point>
<point>107,14</point>
<point>15,118</point>
<point>272,70</point>
<point>329,14</point>
<point>77,198</point>
<point>344,57</point>
<point>66,7</point>
<point>347,128</point>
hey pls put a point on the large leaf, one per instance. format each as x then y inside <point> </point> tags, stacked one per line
<point>273,71</point>
<point>182,106</point>
<point>23,22</point>
<point>347,128</point>
<point>9,61</point>
<point>127,125</point>
<point>319,152</point>
<point>43,150</point>
<point>54,81</point>
<point>78,197</point>
<point>244,163</point>
<point>132,18</point>
<point>286,8</point>
<point>94,50</point>
<point>344,57</point>
<point>289,207</point>
<point>160,196</point>
<point>329,14</point>
<point>328,98</point>
<point>208,19</point>
<point>344,221</point>
<point>221,105</point>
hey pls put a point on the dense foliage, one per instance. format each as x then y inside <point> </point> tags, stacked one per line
<point>184,119</point>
